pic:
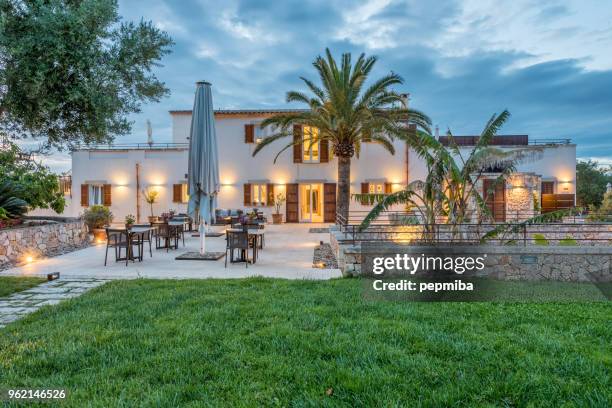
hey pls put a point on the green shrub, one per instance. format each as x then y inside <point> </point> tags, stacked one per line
<point>604,212</point>
<point>568,241</point>
<point>12,206</point>
<point>97,216</point>
<point>540,239</point>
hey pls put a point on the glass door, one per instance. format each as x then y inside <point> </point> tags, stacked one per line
<point>311,203</point>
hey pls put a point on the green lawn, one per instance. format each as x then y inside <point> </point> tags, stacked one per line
<point>260,342</point>
<point>10,284</point>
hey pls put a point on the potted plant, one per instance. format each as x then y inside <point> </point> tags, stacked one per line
<point>150,197</point>
<point>277,217</point>
<point>130,220</point>
<point>96,218</point>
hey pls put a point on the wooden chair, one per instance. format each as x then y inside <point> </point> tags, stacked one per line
<point>168,234</point>
<point>237,241</point>
<point>146,237</point>
<point>119,239</point>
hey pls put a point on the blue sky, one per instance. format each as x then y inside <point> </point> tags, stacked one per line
<point>547,61</point>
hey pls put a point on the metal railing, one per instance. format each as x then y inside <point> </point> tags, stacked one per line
<point>134,146</point>
<point>407,227</point>
<point>550,142</point>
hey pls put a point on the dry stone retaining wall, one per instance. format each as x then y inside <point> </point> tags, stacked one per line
<point>41,240</point>
<point>533,263</point>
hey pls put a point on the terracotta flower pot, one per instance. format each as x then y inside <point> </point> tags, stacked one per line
<point>99,235</point>
<point>277,218</point>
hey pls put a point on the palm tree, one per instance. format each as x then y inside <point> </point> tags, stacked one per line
<point>346,114</point>
<point>450,188</point>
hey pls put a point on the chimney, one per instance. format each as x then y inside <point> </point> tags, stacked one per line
<point>405,97</point>
<point>437,132</point>
<point>149,133</point>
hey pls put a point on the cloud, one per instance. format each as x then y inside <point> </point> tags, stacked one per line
<point>546,61</point>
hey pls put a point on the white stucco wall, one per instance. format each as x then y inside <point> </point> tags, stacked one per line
<point>161,168</point>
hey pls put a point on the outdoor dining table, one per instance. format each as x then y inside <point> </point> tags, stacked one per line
<point>131,233</point>
<point>254,236</point>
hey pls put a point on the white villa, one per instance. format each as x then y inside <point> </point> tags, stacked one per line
<point>117,175</point>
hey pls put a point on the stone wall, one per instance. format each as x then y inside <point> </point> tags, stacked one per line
<point>40,240</point>
<point>559,263</point>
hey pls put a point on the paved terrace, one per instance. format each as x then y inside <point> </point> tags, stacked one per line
<point>287,254</point>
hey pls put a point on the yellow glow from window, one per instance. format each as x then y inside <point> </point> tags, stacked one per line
<point>311,150</point>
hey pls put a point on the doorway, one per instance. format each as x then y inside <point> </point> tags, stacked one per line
<point>311,202</point>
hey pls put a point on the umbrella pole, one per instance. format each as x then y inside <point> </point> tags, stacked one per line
<point>202,237</point>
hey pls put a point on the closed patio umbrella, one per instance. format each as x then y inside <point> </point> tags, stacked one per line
<point>203,170</point>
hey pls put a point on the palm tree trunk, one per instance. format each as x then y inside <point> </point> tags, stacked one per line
<point>344,188</point>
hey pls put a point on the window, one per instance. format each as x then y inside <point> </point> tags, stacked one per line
<point>259,134</point>
<point>376,188</point>
<point>259,194</point>
<point>310,147</point>
<point>184,193</point>
<point>65,183</point>
<point>96,194</point>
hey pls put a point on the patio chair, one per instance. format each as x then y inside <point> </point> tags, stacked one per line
<point>237,241</point>
<point>168,234</point>
<point>146,237</point>
<point>119,239</point>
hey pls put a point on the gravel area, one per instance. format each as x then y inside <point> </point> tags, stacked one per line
<point>324,257</point>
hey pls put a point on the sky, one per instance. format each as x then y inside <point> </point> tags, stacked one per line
<point>549,62</point>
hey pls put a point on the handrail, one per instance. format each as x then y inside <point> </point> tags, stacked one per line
<point>133,146</point>
<point>385,228</point>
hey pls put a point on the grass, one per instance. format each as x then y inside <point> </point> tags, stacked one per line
<point>12,284</point>
<point>263,342</point>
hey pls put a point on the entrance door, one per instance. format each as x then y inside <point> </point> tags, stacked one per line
<point>311,203</point>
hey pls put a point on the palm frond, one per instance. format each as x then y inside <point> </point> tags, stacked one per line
<point>514,227</point>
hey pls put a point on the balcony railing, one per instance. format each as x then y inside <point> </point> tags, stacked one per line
<point>134,146</point>
<point>503,140</point>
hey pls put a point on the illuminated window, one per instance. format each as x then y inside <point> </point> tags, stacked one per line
<point>96,194</point>
<point>310,147</point>
<point>259,194</point>
<point>184,193</point>
<point>65,183</point>
<point>376,188</point>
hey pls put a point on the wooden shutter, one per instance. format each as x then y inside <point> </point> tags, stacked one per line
<point>84,195</point>
<point>177,193</point>
<point>292,203</point>
<point>249,133</point>
<point>329,202</point>
<point>495,198</point>
<point>106,192</point>
<point>297,147</point>
<point>548,187</point>
<point>365,189</point>
<point>247,194</point>
<point>324,148</point>
<point>388,188</point>
<point>270,190</point>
